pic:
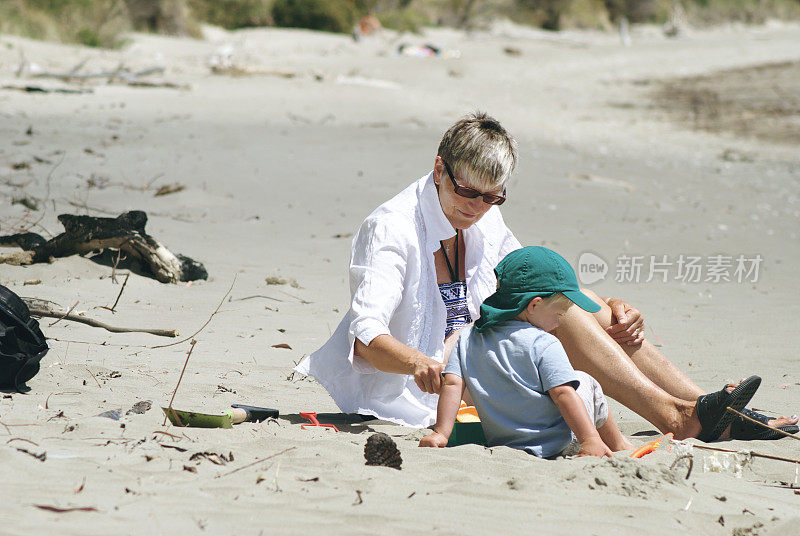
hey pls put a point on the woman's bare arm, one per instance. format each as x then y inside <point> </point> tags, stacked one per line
<point>387,354</point>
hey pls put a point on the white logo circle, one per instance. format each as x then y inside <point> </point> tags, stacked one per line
<point>591,268</point>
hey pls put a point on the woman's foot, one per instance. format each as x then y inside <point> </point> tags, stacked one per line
<point>746,430</point>
<point>712,408</point>
<point>775,422</point>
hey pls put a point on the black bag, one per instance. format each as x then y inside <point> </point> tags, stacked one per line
<point>22,343</point>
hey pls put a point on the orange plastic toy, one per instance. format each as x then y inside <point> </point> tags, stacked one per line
<point>644,450</point>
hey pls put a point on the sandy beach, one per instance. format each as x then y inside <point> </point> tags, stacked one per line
<point>281,159</point>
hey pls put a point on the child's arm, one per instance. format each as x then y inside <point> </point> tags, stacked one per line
<point>446,411</point>
<point>574,412</point>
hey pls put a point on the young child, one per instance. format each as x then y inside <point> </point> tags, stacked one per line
<point>518,375</point>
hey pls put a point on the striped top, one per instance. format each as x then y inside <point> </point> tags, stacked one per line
<point>455,302</point>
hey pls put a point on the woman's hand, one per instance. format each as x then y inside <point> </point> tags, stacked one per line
<point>387,354</point>
<point>433,440</point>
<point>428,375</point>
<point>627,324</point>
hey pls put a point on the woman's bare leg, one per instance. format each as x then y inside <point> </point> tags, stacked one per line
<point>652,364</point>
<point>650,361</point>
<point>593,351</point>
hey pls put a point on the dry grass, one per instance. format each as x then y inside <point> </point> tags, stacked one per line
<point>102,22</point>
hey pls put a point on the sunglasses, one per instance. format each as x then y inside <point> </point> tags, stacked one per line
<point>471,193</point>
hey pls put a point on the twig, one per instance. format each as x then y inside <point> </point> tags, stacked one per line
<point>730,451</point>
<point>59,510</point>
<point>204,325</point>
<point>301,300</point>
<point>62,317</point>
<point>684,457</point>
<point>256,296</point>
<point>151,181</point>
<point>47,196</point>
<point>120,290</point>
<point>787,434</point>
<point>169,408</point>
<point>79,66</point>
<point>94,377</point>
<point>174,447</point>
<point>22,439</point>
<point>87,208</point>
<point>114,268</point>
<point>97,324</point>
<point>256,462</point>
<point>149,71</point>
<point>42,456</point>
<point>168,434</point>
<point>47,400</point>
<point>101,343</point>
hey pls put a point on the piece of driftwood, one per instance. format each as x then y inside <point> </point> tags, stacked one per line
<point>84,234</point>
<point>39,89</point>
<point>119,75</point>
<point>40,309</point>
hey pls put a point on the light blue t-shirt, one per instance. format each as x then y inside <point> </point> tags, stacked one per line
<point>508,369</point>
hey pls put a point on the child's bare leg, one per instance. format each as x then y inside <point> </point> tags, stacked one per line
<point>612,437</point>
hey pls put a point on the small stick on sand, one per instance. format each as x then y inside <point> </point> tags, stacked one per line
<point>256,296</point>
<point>684,457</point>
<point>120,290</point>
<point>169,408</point>
<point>301,300</point>
<point>173,436</point>
<point>62,317</point>
<point>93,377</point>
<point>730,451</point>
<point>114,268</point>
<point>22,439</point>
<point>207,321</point>
<point>787,434</point>
<point>256,462</point>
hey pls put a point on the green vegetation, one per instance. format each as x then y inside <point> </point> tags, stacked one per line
<point>404,19</point>
<point>100,23</point>
<point>95,23</point>
<point>324,15</point>
<point>233,14</point>
<point>709,12</point>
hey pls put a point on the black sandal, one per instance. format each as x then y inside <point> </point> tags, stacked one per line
<point>748,431</point>
<point>711,412</point>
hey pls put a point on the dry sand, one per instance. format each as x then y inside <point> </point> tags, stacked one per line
<point>279,171</point>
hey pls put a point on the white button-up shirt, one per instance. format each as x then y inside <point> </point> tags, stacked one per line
<point>393,286</point>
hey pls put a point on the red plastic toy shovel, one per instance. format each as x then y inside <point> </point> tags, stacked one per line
<point>312,417</point>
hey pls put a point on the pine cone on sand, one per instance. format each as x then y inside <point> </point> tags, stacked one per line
<point>382,450</point>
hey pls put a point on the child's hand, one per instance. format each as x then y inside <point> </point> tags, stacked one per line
<point>594,446</point>
<point>433,440</point>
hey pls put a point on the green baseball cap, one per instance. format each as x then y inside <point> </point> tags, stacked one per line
<point>525,274</point>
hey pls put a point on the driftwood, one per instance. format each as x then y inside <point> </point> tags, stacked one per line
<point>120,75</point>
<point>38,89</point>
<point>84,234</point>
<point>38,309</point>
